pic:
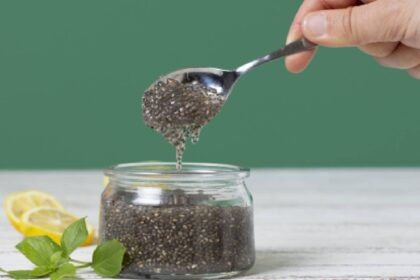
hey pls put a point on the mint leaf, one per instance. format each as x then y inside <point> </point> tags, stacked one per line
<point>21,274</point>
<point>41,271</point>
<point>65,270</point>
<point>56,258</point>
<point>55,261</point>
<point>107,258</point>
<point>28,274</point>
<point>74,235</point>
<point>38,249</point>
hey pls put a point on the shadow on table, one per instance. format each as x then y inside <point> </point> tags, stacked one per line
<point>269,261</point>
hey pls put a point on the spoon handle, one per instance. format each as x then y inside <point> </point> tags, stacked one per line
<point>297,46</point>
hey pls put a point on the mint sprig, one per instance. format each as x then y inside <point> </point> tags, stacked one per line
<point>106,258</point>
<point>73,237</point>
<point>54,260</point>
<point>38,249</point>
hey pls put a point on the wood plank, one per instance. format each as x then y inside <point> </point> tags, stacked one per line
<point>310,224</point>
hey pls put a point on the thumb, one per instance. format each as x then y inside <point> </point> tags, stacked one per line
<point>379,21</point>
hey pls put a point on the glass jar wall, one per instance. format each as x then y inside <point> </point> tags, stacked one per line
<point>193,223</point>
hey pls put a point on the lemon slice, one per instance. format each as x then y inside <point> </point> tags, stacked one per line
<point>20,202</point>
<point>106,181</point>
<point>51,222</point>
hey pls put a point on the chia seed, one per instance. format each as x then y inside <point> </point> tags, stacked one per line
<point>178,111</point>
<point>184,235</point>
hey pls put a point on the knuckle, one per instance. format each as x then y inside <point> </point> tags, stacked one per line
<point>384,62</point>
<point>325,4</point>
<point>396,18</point>
<point>349,24</point>
<point>402,58</point>
<point>379,50</point>
<point>412,34</point>
<point>383,52</point>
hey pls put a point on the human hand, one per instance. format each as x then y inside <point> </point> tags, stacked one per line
<point>388,30</point>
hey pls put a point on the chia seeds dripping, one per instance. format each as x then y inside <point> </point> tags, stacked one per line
<point>179,111</point>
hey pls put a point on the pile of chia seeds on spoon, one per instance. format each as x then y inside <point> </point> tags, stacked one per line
<point>178,111</point>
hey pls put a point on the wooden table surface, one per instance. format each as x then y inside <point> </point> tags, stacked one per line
<point>309,223</point>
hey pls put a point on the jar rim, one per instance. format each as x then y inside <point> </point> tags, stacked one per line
<point>166,171</point>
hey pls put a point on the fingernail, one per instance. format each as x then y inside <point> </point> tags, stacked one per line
<point>292,33</point>
<point>315,25</point>
<point>289,39</point>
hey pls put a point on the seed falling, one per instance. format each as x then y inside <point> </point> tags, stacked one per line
<point>179,111</point>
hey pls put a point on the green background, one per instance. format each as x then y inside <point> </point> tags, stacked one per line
<point>72,74</point>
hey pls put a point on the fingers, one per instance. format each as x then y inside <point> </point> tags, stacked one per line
<point>376,27</point>
<point>402,58</point>
<point>298,62</point>
<point>379,49</point>
<point>415,72</point>
<point>379,21</point>
<point>318,5</point>
<point>396,55</point>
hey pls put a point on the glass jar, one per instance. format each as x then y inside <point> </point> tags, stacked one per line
<point>194,223</point>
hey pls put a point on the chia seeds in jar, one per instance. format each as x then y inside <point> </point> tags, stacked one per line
<point>195,223</point>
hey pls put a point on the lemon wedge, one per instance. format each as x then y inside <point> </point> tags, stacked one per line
<point>51,222</point>
<point>16,204</point>
<point>106,181</point>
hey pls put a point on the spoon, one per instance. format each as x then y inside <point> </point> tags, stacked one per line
<point>222,81</point>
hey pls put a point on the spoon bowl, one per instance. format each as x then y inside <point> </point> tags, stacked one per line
<point>222,81</point>
<point>218,79</point>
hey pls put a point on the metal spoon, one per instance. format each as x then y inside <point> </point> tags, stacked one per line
<point>223,80</point>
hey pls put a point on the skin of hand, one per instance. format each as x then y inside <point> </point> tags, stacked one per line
<point>388,30</point>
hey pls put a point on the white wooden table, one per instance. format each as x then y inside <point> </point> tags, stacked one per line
<point>310,223</point>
